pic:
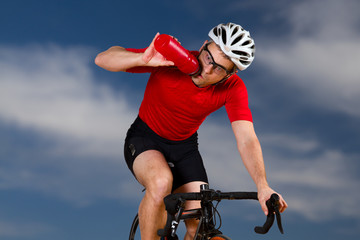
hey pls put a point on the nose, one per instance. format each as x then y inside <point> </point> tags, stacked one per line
<point>208,68</point>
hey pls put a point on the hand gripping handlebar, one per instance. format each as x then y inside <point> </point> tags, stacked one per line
<point>273,208</point>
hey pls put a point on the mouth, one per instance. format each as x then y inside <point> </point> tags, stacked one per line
<point>198,76</point>
<point>201,74</point>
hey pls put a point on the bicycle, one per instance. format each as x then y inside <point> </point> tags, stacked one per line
<point>206,230</point>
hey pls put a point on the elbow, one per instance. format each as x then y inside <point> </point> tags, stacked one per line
<point>99,60</point>
<point>248,144</point>
<point>102,61</point>
<point>109,59</point>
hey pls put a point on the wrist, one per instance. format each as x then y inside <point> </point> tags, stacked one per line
<point>261,186</point>
<point>141,60</point>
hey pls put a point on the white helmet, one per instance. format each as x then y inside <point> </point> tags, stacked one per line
<point>235,42</point>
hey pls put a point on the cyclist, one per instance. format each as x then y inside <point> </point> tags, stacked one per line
<point>161,146</point>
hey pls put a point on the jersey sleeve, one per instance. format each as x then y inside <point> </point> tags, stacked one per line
<point>139,69</point>
<point>237,104</point>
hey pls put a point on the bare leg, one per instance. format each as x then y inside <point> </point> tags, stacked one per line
<point>153,172</point>
<point>191,224</point>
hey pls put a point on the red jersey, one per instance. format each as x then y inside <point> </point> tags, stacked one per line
<point>174,107</point>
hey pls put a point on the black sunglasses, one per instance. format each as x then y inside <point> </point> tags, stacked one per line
<point>209,59</point>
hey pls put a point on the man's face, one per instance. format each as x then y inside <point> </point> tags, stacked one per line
<point>215,66</point>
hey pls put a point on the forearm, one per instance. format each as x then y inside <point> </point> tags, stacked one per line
<point>251,154</point>
<point>250,151</point>
<point>118,59</point>
<point>252,157</point>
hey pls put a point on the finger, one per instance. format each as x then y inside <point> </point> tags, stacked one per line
<point>147,55</point>
<point>151,46</point>
<point>264,207</point>
<point>166,63</point>
<point>175,39</point>
<point>156,35</point>
<point>283,205</point>
<point>169,63</point>
<point>203,45</point>
<point>150,51</point>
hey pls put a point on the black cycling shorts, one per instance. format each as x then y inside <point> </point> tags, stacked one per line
<point>183,156</point>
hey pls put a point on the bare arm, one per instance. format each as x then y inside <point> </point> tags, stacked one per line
<point>118,59</point>
<point>251,154</point>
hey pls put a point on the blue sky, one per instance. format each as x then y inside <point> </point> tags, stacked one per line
<point>63,119</point>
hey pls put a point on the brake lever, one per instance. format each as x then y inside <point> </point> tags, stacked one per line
<point>278,219</point>
<point>273,208</point>
<point>174,207</point>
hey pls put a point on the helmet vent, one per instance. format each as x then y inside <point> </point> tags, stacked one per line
<point>246,43</point>
<point>244,62</point>
<point>223,35</point>
<point>235,31</point>
<point>237,39</point>
<point>241,53</point>
<point>215,32</point>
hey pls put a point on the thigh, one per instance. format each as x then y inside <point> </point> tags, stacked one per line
<point>190,187</point>
<point>150,167</point>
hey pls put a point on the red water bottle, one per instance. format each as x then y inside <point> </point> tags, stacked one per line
<point>173,51</point>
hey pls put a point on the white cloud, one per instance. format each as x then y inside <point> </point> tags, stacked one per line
<point>320,54</point>
<point>318,182</point>
<point>11,229</point>
<point>51,90</point>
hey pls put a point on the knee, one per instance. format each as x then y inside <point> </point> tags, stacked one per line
<point>160,188</point>
<point>191,227</point>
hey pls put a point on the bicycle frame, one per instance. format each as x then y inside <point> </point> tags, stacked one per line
<point>206,226</point>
